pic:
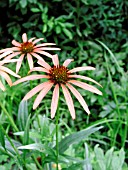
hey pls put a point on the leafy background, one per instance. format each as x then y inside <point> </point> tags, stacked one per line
<point>93,33</point>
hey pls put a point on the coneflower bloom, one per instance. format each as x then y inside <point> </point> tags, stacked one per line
<point>60,77</point>
<point>30,49</point>
<point>4,71</point>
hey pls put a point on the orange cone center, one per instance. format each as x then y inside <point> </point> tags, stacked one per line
<point>59,74</point>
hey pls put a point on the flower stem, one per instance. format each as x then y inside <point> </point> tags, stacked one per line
<point>9,117</point>
<point>57,143</point>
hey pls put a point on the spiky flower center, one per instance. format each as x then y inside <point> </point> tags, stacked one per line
<point>26,47</point>
<point>59,74</point>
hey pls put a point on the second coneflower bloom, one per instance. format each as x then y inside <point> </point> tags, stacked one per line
<point>30,49</point>
<point>59,76</point>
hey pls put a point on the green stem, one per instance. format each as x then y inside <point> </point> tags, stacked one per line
<point>21,161</point>
<point>9,117</point>
<point>37,163</point>
<point>57,143</point>
<point>115,99</point>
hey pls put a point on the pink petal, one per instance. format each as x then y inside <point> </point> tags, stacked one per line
<point>2,68</point>
<point>48,48</point>
<point>24,37</point>
<point>4,50</point>
<point>30,60</point>
<point>81,69</point>
<point>31,39</point>
<point>37,56</point>
<point>31,77</point>
<point>85,86</point>
<point>39,69</point>
<point>43,52</point>
<point>41,95</point>
<point>44,44</point>
<point>35,90</point>
<point>2,86</point>
<point>55,60</point>
<point>44,64</point>
<point>79,97</point>
<point>10,49</point>
<point>6,77</point>
<point>69,101</point>
<point>15,43</point>
<point>8,61</point>
<point>11,56</point>
<point>5,54</point>
<point>84,78</point>
<point>19,63</point>
<point>67,62</point>
<point>54,102</point>
<point>15,49</point>
<point>37,40</point>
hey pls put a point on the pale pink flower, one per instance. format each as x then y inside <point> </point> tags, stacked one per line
<point>4,72</point>
<point>60,77</point>
<point>28,48</point>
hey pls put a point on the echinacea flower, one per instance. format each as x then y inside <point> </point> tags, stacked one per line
<point>60,77</point>
<point>4,71</point>
<point>30,49</point>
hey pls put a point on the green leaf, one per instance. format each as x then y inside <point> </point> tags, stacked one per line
<point>2,140</point>
<point>22,115</point>
<point>118,160</point>
<point>76,137</point>
<point>23,3</point>
<point>44,28</point>
<point>34,146</point>
<point>100,158</point>
<point>35,10</point>
<point>26,132</point>
<point>58,29</point>
<point>68,33</point>
<point>108,157</point>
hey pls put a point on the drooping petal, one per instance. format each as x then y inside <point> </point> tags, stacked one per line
<point>24,37</point>
<point>6,77</point>
<point>54,102</point>
<point>79,97</point>
<point>39,69</point>
<point>69,101</point>
<point>15,43</point>
<point>11,55</point>
<point>55,60</point>
<point>8,61</point>
<point>37,56</point>
<point>19,63</point>
<point>67,62</point>
<point>81,69</point>
<point>41,95</point>
<point>37,40</point>
<point>44,64</point>
<point>35,90</point>
<point>85,86</point>
<point>48,48</point>
<point>30,60</point>
<point>31,77</point>
<point>84,78</point>
<point>4,50</point>
<point>2,68</point>
<point>2,86</point>
<point>43,52</point>
<point>44,44</point>
<point>5,54</point>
